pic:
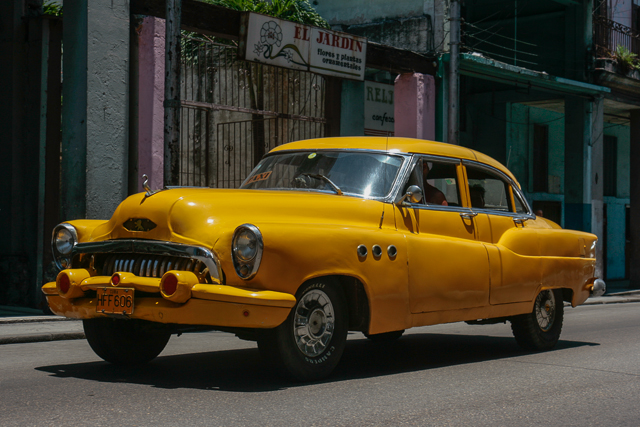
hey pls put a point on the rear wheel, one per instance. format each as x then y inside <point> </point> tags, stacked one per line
<point>126,342</point>
<point>540,329</point>
<point>309,344</point>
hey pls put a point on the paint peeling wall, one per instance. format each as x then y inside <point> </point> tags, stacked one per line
<point>347,13</point>
<point>107,106</point>
<point>416,25</point>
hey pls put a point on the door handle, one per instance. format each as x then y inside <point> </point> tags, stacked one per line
<point>468,215</point>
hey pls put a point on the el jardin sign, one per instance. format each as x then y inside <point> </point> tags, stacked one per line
<point>287,44</point>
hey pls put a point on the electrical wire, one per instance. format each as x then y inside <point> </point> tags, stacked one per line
<point>484,30</point>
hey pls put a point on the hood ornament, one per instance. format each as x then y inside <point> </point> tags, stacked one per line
<point>145,185</point>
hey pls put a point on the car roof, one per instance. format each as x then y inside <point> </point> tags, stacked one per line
<point>404,145</point>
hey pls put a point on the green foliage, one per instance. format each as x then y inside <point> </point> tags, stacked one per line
<point>292,10</point>
<point>52,8</point>
<point>626,59</point>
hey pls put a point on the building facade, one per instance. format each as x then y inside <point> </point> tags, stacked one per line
<point>543,89</point>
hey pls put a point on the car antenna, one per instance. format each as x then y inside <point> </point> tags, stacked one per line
<point>385,181</point>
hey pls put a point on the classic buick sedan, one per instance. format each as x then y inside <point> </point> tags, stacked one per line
<point>324,236</point>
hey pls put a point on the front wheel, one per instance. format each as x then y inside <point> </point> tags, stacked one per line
<point>126,342</point>
<point>540,329</point>
<point>309,344</point>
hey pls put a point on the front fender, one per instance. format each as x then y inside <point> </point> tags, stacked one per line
<point>295,254</point>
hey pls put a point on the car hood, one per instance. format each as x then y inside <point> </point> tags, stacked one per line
<point>201,216</point>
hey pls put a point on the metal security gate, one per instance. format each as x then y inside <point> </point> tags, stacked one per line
<point>235,111</point>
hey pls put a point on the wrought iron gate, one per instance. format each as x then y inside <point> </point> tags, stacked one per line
<point>234,111</point>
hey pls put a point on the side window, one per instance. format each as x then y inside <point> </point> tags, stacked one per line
<point>440,183</point>
<point>488,190</point>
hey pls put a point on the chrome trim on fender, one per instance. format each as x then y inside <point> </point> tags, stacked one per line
<point>154,247</point>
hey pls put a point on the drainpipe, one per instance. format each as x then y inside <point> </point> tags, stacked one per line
<point>454,51</point>
<point>172,93</point>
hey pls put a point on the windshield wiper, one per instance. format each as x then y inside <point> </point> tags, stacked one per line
<point>325,179</point>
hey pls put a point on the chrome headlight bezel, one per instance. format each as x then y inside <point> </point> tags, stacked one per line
<point>247,265</point>
<point>63,258</point>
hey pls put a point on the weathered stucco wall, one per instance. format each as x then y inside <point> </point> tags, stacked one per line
<point>347,13</point>
<point>107,106</point>
<point>416,25</point>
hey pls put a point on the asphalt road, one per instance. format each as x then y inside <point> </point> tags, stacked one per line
<point>456,374</point>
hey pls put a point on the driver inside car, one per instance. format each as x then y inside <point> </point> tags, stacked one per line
<point>432,195</point>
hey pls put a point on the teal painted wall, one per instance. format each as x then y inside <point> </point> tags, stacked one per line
<point>519,148</point>
<point>616,206</point>
<point>352,108</point>
<point>621,132</point>
<point>616,240</point>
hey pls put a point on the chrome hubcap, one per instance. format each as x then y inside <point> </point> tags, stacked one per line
<point>314,323</point>
<point>545,310</point>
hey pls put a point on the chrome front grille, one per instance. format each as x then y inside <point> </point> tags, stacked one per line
<point>150,265</point>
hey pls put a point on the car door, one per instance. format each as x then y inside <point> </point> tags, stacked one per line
<point>501,220</point>
<point>448,267</point>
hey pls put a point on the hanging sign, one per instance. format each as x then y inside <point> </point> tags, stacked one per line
<point>287,44</point>
<point>378,109</point>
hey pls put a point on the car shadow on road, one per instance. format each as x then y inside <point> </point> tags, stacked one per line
<point>243,370</point>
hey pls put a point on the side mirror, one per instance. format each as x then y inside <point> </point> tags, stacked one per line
<point>414,194</point>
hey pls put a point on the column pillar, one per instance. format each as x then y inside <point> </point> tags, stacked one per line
<point>596,142</point>
<point>107,106</point>
<point>352,108</point>
<point>415,105</point>
<point>73,167</point>
<point>151,97</point>
<point>583,175</point>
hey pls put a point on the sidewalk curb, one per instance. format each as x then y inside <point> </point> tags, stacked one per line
<point>31,319</point>
<point>617,300</point>
<point>29,338</point>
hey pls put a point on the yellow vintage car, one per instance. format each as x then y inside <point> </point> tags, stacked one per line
<point>325,236</point>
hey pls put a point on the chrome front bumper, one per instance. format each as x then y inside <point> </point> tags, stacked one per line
<point>598,288</point>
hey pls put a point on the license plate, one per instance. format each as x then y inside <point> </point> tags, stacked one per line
<point>115,300</point>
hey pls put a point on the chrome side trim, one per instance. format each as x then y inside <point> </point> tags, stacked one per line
<point>153,247</point>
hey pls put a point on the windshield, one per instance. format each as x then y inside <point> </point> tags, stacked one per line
<point>358,173</point>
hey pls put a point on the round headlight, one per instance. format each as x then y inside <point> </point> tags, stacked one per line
<point>64,241</point>
<point>245,244</point>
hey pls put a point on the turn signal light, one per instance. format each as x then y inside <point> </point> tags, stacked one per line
<point>170,285</point>
<point>115,279</point>
<point>64,283</point>
<point>68,283</point>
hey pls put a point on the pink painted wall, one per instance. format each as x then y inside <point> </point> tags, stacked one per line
<point>151,97</point>
<point>415,106</point>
